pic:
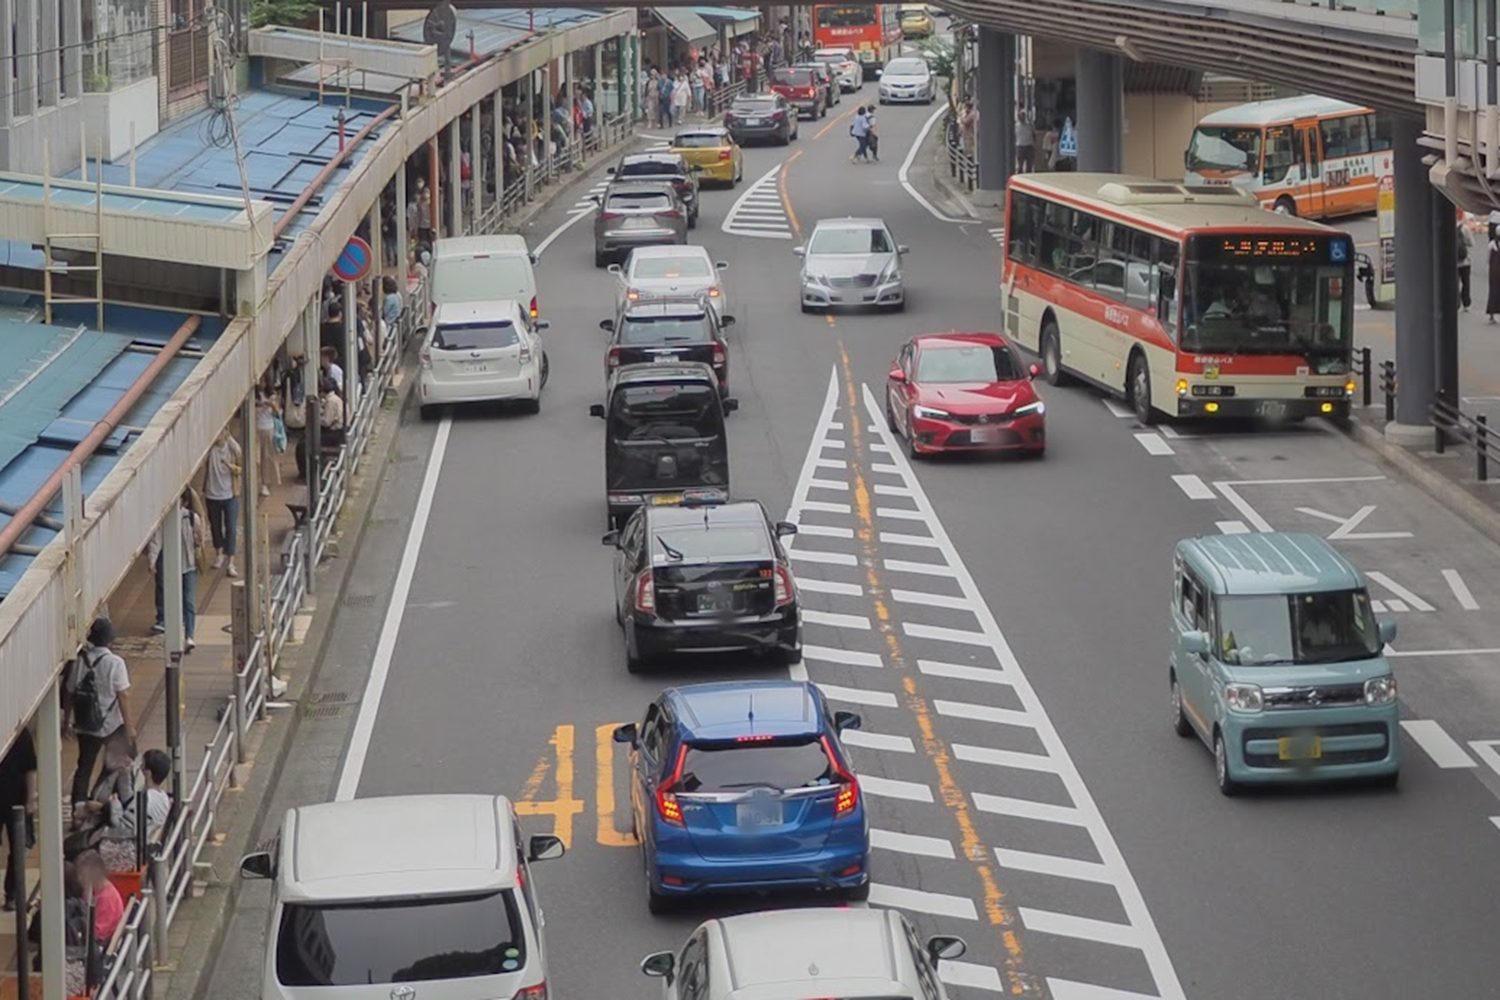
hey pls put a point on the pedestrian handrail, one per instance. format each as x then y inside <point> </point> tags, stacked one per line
<point>1449,423</point>
<point>721,97</point>
<point>127,965</point>
<point>962,166</point>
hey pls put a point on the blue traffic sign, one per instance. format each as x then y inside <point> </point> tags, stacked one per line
<point>355,261</point>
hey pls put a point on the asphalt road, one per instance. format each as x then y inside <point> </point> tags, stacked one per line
<point>1001,626</point>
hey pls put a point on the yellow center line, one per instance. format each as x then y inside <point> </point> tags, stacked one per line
<point>786,201</point>
<point>953,795</point>
<point>824,130</point>
<point>604,792</point>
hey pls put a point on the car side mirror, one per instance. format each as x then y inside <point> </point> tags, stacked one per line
<point>897,375</point>
<point>596,410</point>
<point>1034,371</point>
<point>1387,630</point>
<point>785,528</point>
<point>731,405</point>
<point>625,733</point>
<point>541,324</point>
<point>696,169</point>
<point>726,321</point>
<point>1195,643</point>
<point>611,538</point>
<point>595,199</point>
<point>659,965</point>
<point>609,170</point>
<point>946,947</point>
<point>258,865</point>
<point>799,251</point>
<point>903,249</point>
<point>722,265</point>
<point>847,720</point>
<point>879,73</point>
<point>615,269</point>
<point>535,258</point>
<point>545,847</point>
<point>607,325</point>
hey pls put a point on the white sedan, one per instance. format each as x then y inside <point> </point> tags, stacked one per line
<point>907,80</point>
<point>482,352</point>
<point>669,272</point>
<point>851,73</point>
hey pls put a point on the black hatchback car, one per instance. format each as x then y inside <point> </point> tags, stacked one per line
<point>670,167</point>
<point>765,117</point>
<point>684,328</point>
<point>704,577</point>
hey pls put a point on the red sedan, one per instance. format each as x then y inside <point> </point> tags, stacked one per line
<point>964,392</point>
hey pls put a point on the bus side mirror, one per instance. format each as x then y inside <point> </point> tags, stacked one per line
<point>596,410</point>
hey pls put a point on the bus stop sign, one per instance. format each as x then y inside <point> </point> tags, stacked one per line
<point>355,261</point>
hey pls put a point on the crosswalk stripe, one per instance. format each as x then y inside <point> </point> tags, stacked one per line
<point>963,672</point>
<point>815,586</point>
<point>848,657</point>
<point>1051,864</point>
<point>825,531</point>
<point>898,514</point>
<point>1065,989</point>
<point>831,619</point>
<point>925,569</point>
<point>939,904</point>
<point>911,843</point>
<point>829,484</point>
<point>1082,928</point>
<point>892,491</point>
<point>984,713</point>
<point>919,631</point>
<point>931,600</point>
<point>978,977</point>
<point>826,507</point>
<point>877,741</point>
<point>1004,805</point>
<point>831,463</point>
<point>893,788</point>
<point>917,541</point>
<point>1005,758</point>
<point>830,558</point>
<point>859,696</point>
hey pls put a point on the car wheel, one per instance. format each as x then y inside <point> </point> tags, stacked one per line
<point>599,259</point>
<point>859,893</point>
<point>1140,391</point>
<point>692,222</point>
<point>656,903</point>
<point>1285,206</point>
<point>897,307</point>
<point>1388,781</point>
<point>785,139</point>
<point>427,412</point>
<point>1227,785</point>
<point>911,441</point>
<point>890,416</point>
<point>546,369</point>
<point>1180,724</point>
<point>1052,354</point>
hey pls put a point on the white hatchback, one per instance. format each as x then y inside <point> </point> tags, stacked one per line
<point>851,73</point>
<point>482,352</point>
<point>669,272</point>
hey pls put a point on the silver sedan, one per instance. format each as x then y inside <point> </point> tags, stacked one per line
<point>852,262</point>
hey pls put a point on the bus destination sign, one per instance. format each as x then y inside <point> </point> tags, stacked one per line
<point>1322,249</point>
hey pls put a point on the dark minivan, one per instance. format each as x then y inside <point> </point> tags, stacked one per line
<point>682,328</point>
<point>664,437</point>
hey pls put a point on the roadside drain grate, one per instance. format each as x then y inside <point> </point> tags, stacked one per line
<point>359,601</point>
<point>323,711</point>
<point>331,697</point>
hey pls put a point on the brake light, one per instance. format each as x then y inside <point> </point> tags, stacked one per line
<point>718,355</point>
<point>723,154</point>
<point>786,591</point>
<point>848,796</point>
<point>667,806</point>
<point>537,992</point>
<point>671,213</point>
<point>426,357</point>
<point>533,307</point>
<point>525,355</point>
<point>645,592</point>
<point>614,357</point>
<point>609,215</point>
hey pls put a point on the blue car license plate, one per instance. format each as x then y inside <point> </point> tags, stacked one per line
<point>758,814</point>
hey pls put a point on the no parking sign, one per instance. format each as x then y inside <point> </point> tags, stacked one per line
<point>355,261</point>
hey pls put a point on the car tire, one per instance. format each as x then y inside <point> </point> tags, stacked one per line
<point>1389,782</point>
<point>890,416</point>
<point>897,307</point>
<point>546,370</point>
<point>1285,206</point>
<point>1227,785</point>
<point>859,893</point>
<point>532,406</point>
<point>427,412</point>
<point>656,903</point>
<point>692,222</point>
<point>1180,724</point>
<point>634,664</point>
<point>785,140</point>
<point>1140,391</point>
<point>806,308</point>
<point>600,260</point>
<point>1052,354</point>
<point>911,442</point>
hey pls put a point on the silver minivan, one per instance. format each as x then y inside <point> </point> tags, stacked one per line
<point>352,881</point>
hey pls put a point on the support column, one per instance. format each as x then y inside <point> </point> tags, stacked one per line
<point>1100,122</point>
<point>995,135</point>
<point>476,164</point>
<point>7,59</point>
<point>49,65</point>
<point>570,95</point>
<point>26,68</point>
<point>312,438</point>
<point>49,834</point>
<point>593,83</point>
<point>1443,217</point>
<point>401,233</point>
<point>172,561</point>
<point>249,508</point>
<point>72,60</point>
<point>625,80</point>
<point>435,196</point>
<point>497,149</point>
<point>528,133</point>
<point>1416,303</point>
<point>546,73</point>
<point>455,188</point>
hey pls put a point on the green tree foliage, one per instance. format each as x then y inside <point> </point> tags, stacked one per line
<point>287,13</point>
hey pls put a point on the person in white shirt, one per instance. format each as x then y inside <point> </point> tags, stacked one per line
<point>98,673</point>
<point>192,536</point>
<point>219,474</point>
<point>267,410</point>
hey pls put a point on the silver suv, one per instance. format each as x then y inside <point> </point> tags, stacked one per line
<point>637,214</point>
<point>791,954</point>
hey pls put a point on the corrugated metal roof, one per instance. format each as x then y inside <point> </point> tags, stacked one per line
<point>735,14</point>
<point>496,30</point>
<point>685,24</point>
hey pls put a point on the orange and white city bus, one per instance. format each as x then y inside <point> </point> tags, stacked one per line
<point>1184,300</point>
<point>1307,156</point>
<point>871,31</point>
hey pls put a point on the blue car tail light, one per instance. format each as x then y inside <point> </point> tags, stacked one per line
<point>667,806</point>
<point>848,797</point>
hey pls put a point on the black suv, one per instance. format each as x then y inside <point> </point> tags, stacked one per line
<point>704,576</point>
<point>669,329</point>
<point>669,167</point>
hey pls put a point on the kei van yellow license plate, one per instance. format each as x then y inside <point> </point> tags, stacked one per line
<point>665,499</point>
<point>1300,747</point>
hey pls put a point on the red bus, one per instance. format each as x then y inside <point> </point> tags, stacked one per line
<point>1186,301</point>
<point>871,31</point>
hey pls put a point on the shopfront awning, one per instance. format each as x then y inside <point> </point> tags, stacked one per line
<point>735,20</point>
<point>685,24</point>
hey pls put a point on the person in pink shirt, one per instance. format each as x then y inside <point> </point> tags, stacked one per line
<point>109,905</point>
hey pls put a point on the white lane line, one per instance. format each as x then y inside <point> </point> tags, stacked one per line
<point>1460,590</point>
<point>892,788</point>
<point>797,671</point>
<point>983,713</point>
<point>921,568</point>
<point>1195,488</point>
<point>919,631</point>
<point>960,672</point>
<point>975,977</point>
<point>825,507</point>
<point>830,484</point>
<point>830,558</point>
<point>832,463</point>
<point>1378,607</point>
<point>1433,738</point>
<point>1169,432</point>
<point>1232,527</point>
<point>833,442</point>
<point>939,904</point>
<point>1483,651</point>
<point>897,514</point>
<point>830,619</point>
<point>884,449</point>
<point>762,192</point>
<point>881,489</point>
<point>1122,412</point>
<point>1005,758</point>
<point>825,531</point>
<point>910,843</point>
<point>813,586</point>
<point>835,425</point>
<point>877,741</point>
<point>885,468</point>
<point>1154,444</point>
<point>1399,591</point>
<point>1487,751</point>
<point>1002,805</point>
<point>390,629</point>
<point>1085,812</point>
<point>1495,820</point>
<point>1051,864</point>
<point>916,541</point>
<point>1242,505</point>
<point>1397,606</point>
<point>931,600</point>
<point>1082,928</point>
<point>848,657</point>
<point>904,174</point>
<point>1065,989</point>
<point>859,696</point>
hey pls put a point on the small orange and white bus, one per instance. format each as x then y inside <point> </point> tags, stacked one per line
<point>1188,301</point>
<point>1307,156</point>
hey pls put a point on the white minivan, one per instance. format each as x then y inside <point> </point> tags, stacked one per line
<point>482,352</point>
<point>425,896</point>
<point>483,269</point>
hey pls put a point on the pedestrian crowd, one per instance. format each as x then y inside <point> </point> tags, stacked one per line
<point>695,83</point>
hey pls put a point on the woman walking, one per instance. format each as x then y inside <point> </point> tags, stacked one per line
<point>1492,304</point>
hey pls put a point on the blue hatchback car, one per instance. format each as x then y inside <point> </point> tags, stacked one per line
<point>745,787</point>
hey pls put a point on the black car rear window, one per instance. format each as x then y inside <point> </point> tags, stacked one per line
<point>698,140</point>
<point>475,336</point>
<point>665,330</point>
<point>737,767</point>
<point>642,412</point>
<point>637,202</point>
<point>686,543</point>
<point>760,107</point>
<point>792,77</point>
<point>648,168</point>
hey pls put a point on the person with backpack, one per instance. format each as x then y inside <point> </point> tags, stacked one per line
<point>97,690</point>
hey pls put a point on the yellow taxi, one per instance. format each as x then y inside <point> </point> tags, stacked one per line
<point>916,20</point>
<point>713,153</point>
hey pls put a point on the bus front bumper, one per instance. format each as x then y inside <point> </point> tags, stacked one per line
<point>1336,408</point>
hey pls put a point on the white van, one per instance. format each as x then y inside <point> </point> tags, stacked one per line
<point>483,269</point>
<point>353,881</point>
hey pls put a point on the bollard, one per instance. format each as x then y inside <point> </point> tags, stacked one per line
<point>1388,386</point>
<point>16,823</point>
<point>1482,443</point>
<point>1364,354</point>
<point>159,873</point>
<point>1438,410</point>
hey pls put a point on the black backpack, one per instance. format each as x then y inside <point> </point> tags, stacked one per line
<point>88,713</point>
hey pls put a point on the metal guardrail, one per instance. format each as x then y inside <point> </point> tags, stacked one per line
<point>1450,424</point>
<point>962,167</point>
<point>1362,369</point>
<point>530,181</point>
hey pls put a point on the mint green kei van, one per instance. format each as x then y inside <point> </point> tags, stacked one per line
<point>1278,662</point>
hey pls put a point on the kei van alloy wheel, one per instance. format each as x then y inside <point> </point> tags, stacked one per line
<point>1227,784</point>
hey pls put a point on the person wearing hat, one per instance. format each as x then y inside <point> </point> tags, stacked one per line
<point>96,694</point>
